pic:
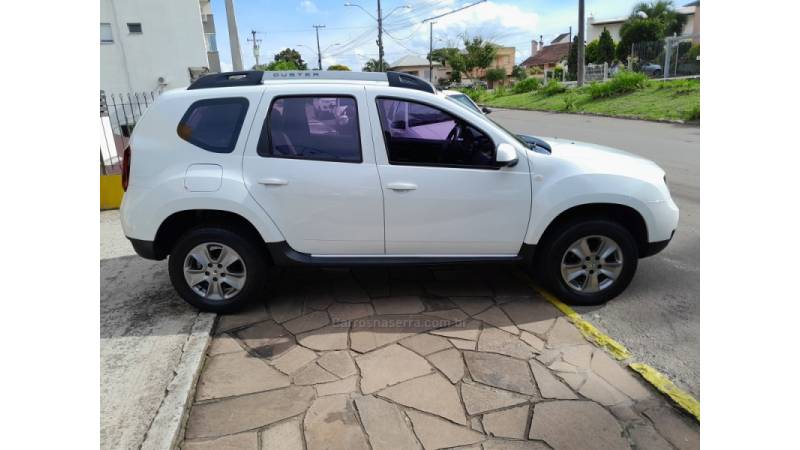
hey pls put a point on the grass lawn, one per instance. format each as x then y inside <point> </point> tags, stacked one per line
<point>659,100</point>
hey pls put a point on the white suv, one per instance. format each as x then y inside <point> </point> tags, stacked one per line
<point>247,169</point>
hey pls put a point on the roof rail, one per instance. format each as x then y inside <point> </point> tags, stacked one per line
<point>257,77</point>
<point>227,79</point>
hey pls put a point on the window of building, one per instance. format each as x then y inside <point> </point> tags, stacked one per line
<point>106,36</point>
<point>214,124</point>
<point>135,27</point>
<point>421,135</point>
<point>323,128</point>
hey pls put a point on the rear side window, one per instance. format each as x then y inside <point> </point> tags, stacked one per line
<point>322,128</point>
<point>214,124</point>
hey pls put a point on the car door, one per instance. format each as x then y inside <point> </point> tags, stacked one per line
<point>310,164</point>
<point>443,194</point>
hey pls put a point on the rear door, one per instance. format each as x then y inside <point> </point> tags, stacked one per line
<point>310,164</point>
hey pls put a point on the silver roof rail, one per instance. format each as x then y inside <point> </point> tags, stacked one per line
<point>255,77</point>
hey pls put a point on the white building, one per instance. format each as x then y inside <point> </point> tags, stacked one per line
<point>595,26</point>
<point>151,45</point>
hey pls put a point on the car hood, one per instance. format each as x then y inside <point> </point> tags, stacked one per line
<point>601,159</point>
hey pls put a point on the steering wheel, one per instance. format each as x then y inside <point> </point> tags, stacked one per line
<point>449,142</point>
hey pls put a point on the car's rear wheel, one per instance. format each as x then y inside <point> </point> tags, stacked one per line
<point>589,262</point>
<point>216,269</point>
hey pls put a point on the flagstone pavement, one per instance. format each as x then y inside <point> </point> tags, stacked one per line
<point>408,358</point>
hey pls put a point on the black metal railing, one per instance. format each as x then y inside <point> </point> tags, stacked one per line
<point>118,116</point>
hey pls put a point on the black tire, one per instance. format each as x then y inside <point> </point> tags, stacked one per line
<point>553,249</point>
<point>245,245</point>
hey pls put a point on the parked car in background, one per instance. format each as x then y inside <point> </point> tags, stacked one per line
<point>244,170</point>
<point>652,70</point>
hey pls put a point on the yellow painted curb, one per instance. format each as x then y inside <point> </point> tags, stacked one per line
<point>663,384</point>
<point>660,381</point>
<point>110,191</point>
<point>588,330</point>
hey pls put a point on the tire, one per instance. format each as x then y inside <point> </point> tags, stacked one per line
<point>234,286</point>
<point>595,232</point>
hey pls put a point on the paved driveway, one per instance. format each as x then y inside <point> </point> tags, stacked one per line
<point>658,316</point>
<point>418,358</point>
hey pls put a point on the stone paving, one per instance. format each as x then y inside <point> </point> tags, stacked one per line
<point>410,358</point>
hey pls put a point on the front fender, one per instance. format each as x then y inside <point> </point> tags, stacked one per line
<point>552,199</point>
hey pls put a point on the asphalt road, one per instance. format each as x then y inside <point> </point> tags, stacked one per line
<point>658,316</point>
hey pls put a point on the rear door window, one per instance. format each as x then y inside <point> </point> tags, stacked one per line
<point>323,128</point>
<point>214,124</point>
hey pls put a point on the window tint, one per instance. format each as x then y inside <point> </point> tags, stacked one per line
<point>214,124</point>
<point>106,36</point>
<point>320,128</point>
<point>418,134</point>
<point>134,27</point>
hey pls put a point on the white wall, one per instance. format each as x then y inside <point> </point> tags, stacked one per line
<point>172,40</point>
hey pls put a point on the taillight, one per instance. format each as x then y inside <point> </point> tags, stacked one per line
<point>126,167</point>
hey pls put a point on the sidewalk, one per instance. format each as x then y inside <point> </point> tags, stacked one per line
<point>418,358</point>
<point>151,347</point>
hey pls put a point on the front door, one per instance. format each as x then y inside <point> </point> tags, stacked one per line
<point>309,163</point>
<point>443,194</point>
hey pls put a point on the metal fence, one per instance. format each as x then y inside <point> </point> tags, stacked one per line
<point>118,115</point>
<point>675,56</point>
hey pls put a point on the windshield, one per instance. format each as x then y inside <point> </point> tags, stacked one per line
<point>466,101</point>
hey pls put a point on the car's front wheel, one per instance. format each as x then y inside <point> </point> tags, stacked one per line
<point>589,262</point>
<point>216,269</point>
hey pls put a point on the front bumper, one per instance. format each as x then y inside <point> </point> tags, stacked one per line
<point>656,247</point>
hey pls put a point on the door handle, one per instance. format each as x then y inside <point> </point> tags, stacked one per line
<point>401,186</point>
<point>273,181</point>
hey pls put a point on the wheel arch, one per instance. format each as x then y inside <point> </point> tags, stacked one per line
<point>625,215</point>
<point>179,222</point>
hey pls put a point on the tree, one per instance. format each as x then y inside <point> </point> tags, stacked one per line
<point>662,11</point>
<point>277,65</point>
<point>341,67</point>
<point>479,54</point>
<point>605,48</point>
<point>519,73</point>
<point>495,74</point>
<point>592,52</point>
<point>572,60</point>
<point>639,30</point>
<point>371,66</point>
<point>452,57</point>
<point>291,55</point>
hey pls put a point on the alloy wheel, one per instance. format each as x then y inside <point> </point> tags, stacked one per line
<point>214,271</point>
<point>591,264</point>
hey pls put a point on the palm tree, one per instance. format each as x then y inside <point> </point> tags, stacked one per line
<point>662,11</point>
<point>371,66</point>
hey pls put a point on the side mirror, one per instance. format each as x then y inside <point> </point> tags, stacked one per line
<point>506,156</point>
<point>486,110</point>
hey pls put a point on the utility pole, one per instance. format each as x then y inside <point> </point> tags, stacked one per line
<point>319,53</point>
<point>430,56</point>
<point>233,36</point>
<point>581,50</point>
<point>380,38</point>
<point>256,48</point>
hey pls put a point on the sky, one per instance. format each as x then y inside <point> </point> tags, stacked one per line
<point>350,34</point>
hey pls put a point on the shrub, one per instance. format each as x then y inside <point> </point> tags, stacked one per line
<point>569,101</point>
<point>622,83</point>
<point>553,87</point>
<point>500,91</point>
<point>694,113</point>
<point>476,94</point>
<point>526,85</point>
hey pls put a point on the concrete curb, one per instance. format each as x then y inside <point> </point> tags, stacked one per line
<point>166,429</point>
